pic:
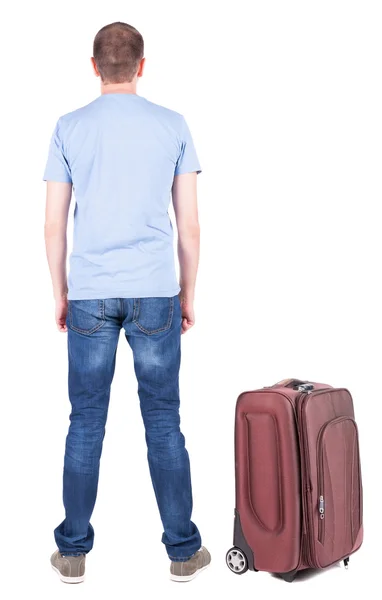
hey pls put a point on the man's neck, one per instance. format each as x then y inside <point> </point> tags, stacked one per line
<point>119,88</point>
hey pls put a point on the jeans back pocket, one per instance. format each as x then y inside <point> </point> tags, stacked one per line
<point>153,315</point>
<point>86,316</point>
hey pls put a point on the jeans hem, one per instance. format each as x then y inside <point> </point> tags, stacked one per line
<point>181,559</point>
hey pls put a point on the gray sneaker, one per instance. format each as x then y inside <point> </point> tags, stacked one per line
<point>70,569</point>
<point>187,570</point>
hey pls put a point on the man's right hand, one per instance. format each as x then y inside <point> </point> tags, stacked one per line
<point>188,315</point>
<point>186,212</point>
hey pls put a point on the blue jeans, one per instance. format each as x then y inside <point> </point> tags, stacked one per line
<point>153,328</point>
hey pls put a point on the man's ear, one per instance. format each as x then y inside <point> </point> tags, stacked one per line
<point>96,72</point>
<point>141,67</point>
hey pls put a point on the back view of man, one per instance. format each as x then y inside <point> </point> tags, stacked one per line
<point>123,157</point>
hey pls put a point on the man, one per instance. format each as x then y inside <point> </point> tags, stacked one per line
<point>123,156</point>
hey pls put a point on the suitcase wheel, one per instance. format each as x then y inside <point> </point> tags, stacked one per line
<point>236,561</point>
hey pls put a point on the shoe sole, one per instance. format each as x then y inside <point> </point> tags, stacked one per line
<point>68,579</point>
<point>180,578</point>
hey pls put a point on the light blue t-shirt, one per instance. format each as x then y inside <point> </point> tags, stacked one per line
<point>121,153</point>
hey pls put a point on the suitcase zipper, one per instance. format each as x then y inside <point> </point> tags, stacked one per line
<point>321,510</point>
<point>307,525</point>
<point>307,500</point>
<point>321,486</point>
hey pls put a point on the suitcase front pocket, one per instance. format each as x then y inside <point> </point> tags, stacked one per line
<point>339,487</point>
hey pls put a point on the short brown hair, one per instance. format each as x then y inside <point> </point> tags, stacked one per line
<point>117,50</point>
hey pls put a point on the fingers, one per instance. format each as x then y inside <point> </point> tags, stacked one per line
<point>61,326</point>
<point>186,325</point>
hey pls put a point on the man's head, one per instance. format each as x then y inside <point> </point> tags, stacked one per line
<point>118,53</point>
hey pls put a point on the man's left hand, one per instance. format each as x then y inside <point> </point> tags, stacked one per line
<point>61,312</point>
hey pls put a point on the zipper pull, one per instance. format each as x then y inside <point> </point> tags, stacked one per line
<point>321,507</point>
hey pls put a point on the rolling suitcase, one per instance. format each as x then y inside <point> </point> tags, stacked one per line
<point>298,479</point>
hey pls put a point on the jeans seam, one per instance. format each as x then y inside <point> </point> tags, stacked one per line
<point>136,309</point>
<point>102,309</point>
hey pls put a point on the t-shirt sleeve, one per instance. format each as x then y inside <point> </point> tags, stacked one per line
<point>187,161</point>
<point>57,167</point>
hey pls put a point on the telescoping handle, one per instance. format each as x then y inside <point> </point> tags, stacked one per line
<point>296,384</point>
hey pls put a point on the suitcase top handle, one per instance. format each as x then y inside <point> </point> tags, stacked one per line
<point>296,384</point>
<point>304,387</point>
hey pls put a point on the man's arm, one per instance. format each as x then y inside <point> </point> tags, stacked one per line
<point>58,198</point>
<point>184,199</point>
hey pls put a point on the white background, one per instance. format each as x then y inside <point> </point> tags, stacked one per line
<point>284,103</point>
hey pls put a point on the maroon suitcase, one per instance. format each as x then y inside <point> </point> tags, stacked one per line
<point>298,479</point>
